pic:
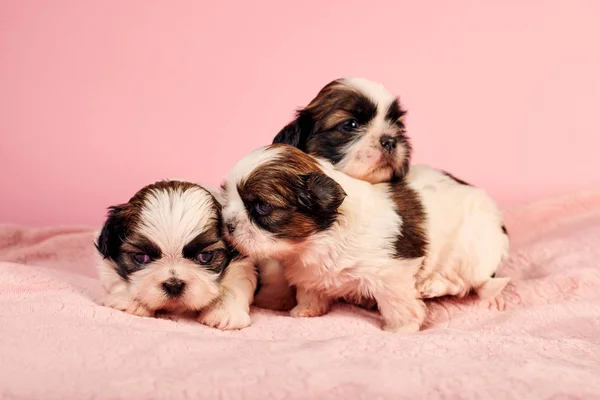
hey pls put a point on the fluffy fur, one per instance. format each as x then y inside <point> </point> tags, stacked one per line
<point>359,127</point>
<point>338,237</point>
<point>163,251</point>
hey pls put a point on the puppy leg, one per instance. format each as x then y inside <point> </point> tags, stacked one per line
<point>231,310</point>
<point>310,304</point>
<point>490,291</point>
<point>401,308</point>
<point>119,296</point>
<point>275,292</point>
<point>436,285</point>
<point>120,299</point>
<point>492,288</point>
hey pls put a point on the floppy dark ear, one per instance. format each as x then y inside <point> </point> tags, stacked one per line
<point>112,234</point>
<point>297,132</point>
<point>320,193</point>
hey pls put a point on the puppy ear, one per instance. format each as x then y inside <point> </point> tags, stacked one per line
<point>320,193</point>
<point>112,234</point>
<point>297,132</point>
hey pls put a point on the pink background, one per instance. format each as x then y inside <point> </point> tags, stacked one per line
<point>100,98</point>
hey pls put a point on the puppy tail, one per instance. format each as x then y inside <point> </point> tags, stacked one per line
<point>492,288</point>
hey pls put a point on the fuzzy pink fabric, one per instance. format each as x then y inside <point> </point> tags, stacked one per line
<point>540,340</point>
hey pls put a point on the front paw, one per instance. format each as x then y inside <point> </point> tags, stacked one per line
<point>124,302</point>
<point>401,328</point>
<point>225,317</point>
<point>302,311</point>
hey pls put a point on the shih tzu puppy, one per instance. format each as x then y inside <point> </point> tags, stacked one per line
<point>358,126</point>
<point>163,250</point>
<point>336,236</point>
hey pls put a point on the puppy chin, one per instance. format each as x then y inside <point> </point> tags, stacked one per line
<point>251,247</point>
<point>258,245</point>
<point>371,164</point>
<point>374,169</point>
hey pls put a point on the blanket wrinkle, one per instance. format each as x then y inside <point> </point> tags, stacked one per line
<point>539,339</point>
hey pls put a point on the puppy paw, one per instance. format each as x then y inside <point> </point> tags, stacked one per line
<point>492,288</point>
<point>495,303</point>
<point>225,317</point>
<point>429,289</point>
<point>401,315</point>
<point>438,286</point>
<point>124,302</point>
<point>401,328</point>
<point>301,311</point>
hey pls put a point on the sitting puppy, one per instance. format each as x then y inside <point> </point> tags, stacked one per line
<point>163,250</point>
<point>339,237</point>
<point>358,126</point>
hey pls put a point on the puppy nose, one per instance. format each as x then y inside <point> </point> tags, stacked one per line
<point>230,227</point>
<point>173,287</point>
<point>388,142</point>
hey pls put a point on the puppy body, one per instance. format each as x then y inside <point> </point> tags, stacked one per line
<point>336,236</point>
<point>466,245</point>
<point>163,250</point>
<point>359,127</point>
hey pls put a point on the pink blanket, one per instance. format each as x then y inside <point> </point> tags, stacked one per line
<point>541,339</point>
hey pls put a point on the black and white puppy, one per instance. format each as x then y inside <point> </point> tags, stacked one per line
<point>163,250</point>
<point>359,127</point>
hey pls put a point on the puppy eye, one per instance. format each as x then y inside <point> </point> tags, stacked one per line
<point>142,258</point>
<point>349,126</point>
<point>263,209</point>
<point>205,257</point>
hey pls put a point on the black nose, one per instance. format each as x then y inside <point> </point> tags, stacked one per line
<point>230,227</point>
<point>173,287</point>
<point>388,142</point>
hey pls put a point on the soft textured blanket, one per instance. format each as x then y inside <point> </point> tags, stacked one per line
<point>541,339</point>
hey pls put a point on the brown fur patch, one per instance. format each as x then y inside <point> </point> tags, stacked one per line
<point>336,103</point>
<point>286,184</point>
<point>413,240</point>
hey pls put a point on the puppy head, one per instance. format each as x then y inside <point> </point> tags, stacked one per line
<point>358,126</point>
<point>166,244</point>
<point>275,198</point>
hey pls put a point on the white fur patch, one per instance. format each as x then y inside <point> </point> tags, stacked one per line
<point>172,218</point>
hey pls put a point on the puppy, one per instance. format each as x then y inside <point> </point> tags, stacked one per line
<point>359,127</point>
<point>338,237</point>
<point>164,250</point>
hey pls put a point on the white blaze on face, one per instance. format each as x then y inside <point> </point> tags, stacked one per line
<point>172,218</point>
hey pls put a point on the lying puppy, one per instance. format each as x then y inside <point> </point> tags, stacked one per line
<point>163,250</point>
<point>358,126</point>
<point>338,237</point>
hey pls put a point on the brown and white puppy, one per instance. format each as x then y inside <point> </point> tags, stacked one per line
<point>359,127</point>
<point>338,237</point>
<point>163,250</point>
